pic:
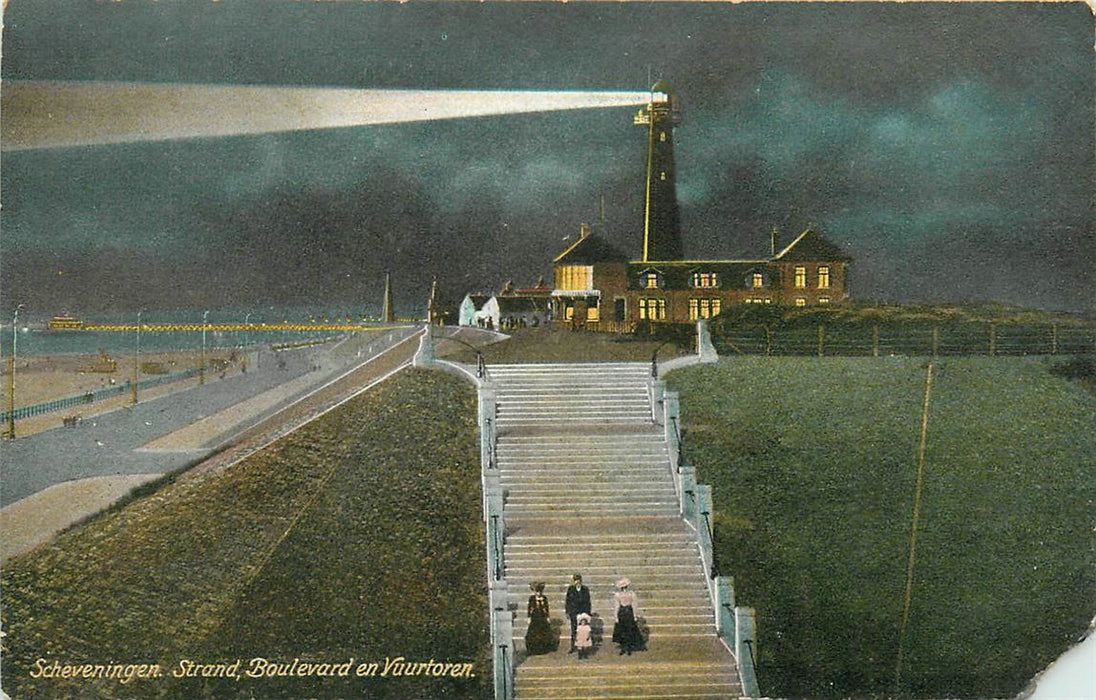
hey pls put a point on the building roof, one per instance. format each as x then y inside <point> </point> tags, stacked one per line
<point>811,246</point>
<point>516,305</point>
<point>478,300</point>
<point>590,249</point>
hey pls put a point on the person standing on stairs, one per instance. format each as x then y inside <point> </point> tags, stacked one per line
<point>538,636</point>
<point>577,603</point>
<point>584,640</point>
<point>626,611</point>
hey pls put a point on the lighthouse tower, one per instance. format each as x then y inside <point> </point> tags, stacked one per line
<point>661,228</point>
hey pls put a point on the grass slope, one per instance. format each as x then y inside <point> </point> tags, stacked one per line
<point>383,557</point>
<point>813,468</point>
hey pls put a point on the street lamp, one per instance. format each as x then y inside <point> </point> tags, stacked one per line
<point>137,358</point>
<point>201,358</point>
<point>11,366</point>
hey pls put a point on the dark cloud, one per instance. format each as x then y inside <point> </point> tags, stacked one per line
<point>949,147</point>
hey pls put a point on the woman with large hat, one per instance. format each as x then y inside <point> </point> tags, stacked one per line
<point>538,637</point>
<point>626,609</point>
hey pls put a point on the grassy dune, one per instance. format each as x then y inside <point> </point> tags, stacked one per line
<point>356,536</point>
<point>813,467</point>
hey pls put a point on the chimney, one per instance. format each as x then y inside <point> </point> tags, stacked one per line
<point>583,230</point>
<point>775,237</point>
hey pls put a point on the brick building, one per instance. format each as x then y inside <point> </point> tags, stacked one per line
<point>597,286</point>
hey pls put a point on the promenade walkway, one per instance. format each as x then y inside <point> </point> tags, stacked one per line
<point>51,479</point>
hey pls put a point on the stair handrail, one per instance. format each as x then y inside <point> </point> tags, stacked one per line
<point>713,569</point>
<point>495,531</point>
<point>507,686</point>
<point>654,357</point>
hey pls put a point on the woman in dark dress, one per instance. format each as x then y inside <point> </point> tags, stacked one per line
<point>538,637</point>
<point>626,631</point>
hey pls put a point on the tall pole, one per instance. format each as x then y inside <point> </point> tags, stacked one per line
<point>137,358</point>
<point>11,372</point>
<point>201,358</point>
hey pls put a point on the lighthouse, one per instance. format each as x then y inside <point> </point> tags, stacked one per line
<point>661,227</point>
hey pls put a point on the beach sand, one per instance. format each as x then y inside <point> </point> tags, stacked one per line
<point>44,378</point>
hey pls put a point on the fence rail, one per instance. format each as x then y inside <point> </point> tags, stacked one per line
<point>91,397</point>
<point>880,339</point>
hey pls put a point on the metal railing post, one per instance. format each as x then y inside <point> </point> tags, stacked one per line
<point>744,641</point>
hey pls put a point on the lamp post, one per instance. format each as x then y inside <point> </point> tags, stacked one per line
<point>247,330</point>
<point>11,373</point>
<point>201,358</point>
<point>137,358</point>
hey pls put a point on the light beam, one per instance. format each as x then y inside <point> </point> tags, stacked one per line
<point>66,114</point>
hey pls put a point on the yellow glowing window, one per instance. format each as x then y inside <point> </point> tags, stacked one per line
<point>801,279</point>
<point>592,311</point>
<point>574,278</point>
<point>757,280</point>
<point>662,175</point>
<point>652,309</point>
<point>823,300</point>
<point>758,300</point>
<point>703,280</point>
<point>650,280</point>
<point>662,136</point>
<point>568,312</point>
<point>823,277</point>
<point>703,308</point>
<point>800,301</point>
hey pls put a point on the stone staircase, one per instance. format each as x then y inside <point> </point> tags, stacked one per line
<point>587,489</point>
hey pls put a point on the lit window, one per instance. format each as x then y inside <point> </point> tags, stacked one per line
<point>757,280</point>
<point>592,312</point>
<point>662,175</point>
<point>703,280</point>
<point>758,300</point>
<point>823,300</point>
<point>662,136</point>
<point>568,312</point>
<point>800,301</point>
<point>652,309</point>
<point>703,308</point>
<point>650,280</point>
<point>823,277</point>
<point>801,279</point>
<point>574,278</point>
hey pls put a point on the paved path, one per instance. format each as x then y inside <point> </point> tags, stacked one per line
<point>110,444</point>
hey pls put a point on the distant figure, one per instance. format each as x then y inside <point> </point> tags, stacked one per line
<point>538,637</point>
<point>578,602</point>
<point>626,608</point>
<point>583,640</point>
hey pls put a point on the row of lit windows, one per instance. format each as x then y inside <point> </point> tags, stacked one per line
<point>655,309</point>
<point>703,308</point>
<point>801,277</point>
<point>800,301</point>
<point>755,280</point>
<point>652,309</point>
<point>575,278</point>
<point>593,312</point>
<point>700,280</point>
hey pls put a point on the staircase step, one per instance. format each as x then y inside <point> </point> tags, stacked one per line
<point>585,471</point>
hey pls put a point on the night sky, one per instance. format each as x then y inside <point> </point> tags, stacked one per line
<point>948,148</point>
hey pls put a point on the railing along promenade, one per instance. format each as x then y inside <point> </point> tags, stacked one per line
<point>229,327</point>
<point>735,625</point>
